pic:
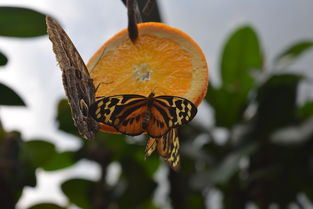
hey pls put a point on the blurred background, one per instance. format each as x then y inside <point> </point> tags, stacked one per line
<point>250,146</point>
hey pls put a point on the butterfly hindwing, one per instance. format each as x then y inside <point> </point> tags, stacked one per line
<point>150,147</point>
<point>173,158</point>
<point>168,148</point>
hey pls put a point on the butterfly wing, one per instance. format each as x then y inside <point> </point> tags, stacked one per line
<point>179,111</point>
<point>168,148</point>
<point>158,123</point>
<point>150,147</point>
<point>169,112</point>
<point>123,112</point>
<point>77,83</point>
<point>173,157</point>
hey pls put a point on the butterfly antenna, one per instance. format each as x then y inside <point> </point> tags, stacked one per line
<point>154,90</point>
<point>99,97</point>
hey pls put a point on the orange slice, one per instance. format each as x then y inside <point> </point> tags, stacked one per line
<point>163,60</point>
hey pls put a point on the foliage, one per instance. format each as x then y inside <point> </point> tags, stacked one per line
<point>257,164</point>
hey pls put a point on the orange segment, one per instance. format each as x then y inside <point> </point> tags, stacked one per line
<point>163,60</point>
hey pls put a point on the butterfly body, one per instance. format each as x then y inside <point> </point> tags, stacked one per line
<point>133,114</point>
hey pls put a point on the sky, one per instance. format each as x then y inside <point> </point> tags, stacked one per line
<point>33,73</point>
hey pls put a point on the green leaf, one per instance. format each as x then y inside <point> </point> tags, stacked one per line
<point>306,110</point>
<point>79,192</point>
<point>3,59</point>
<point>242,54</point>
<point>46,206</point>
<point>64,118</point>
<point>228,105</point>
<point>9,97</point>
<point>39,152</point>
<point>136,194</point>
<point>293,52</point>
<point>59,161</point>
<point>230,165</point>
<point>277,102</point>
<point>21,22</point>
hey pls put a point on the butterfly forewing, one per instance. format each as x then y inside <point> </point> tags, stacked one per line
<point>180,109</point>
<point>123,112</point>
<point>77,83</point>
<point>158,125</point>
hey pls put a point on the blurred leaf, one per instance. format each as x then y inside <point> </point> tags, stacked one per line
<point>140,187</point>
<point>9,97</point>
<point>228,105</point>
<point>59,161</point>
<point>195,201</point>
<point>64,118</point>
<point>79,192</point>
<point>46,206</point>
<point>39,152</point>
<point>306,110</point>
<point>242,54</point>
<point>115,143</point>
<point>277,102</point>
<point>230,165</point>
<point>293,52</point>
<point>21,22</point>
<point>3,59</point>
<point>150,164</point>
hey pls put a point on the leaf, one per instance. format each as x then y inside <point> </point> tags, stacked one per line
<point>46,206</point>
<point>9,97</point>
<point>21,22</point>
<point>230,165</point>
<point>79,192</point>
<point>39,152</point>
<point>277,102</point>
<point>228,105</point>
<point>59,161</point>
<point>293,52</point>
<point>64,118</point>
<point>242,54</point>
<point>306,110</point>
<point>3,59</point>
<point>136,194</point>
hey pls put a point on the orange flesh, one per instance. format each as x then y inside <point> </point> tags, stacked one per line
<point>153,64</point>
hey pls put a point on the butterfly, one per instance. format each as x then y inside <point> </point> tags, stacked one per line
<point>133,114</point>
<point>168,148</point>
<point>77,83</point>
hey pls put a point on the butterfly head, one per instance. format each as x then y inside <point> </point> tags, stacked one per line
<point>152,94</point>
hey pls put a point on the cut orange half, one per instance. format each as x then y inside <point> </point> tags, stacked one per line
<point>163,60</point>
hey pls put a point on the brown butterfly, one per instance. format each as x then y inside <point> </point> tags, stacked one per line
<point>77,83</point>
<point>133,114</point>
<point>168,148</point>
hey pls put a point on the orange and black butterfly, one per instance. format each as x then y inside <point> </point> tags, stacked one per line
<point>133,114</point>
<point>168,148</point>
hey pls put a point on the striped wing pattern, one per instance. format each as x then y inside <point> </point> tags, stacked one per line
<point>181,110</point>
<point>134,114</point>
<point>123,112</point>
<point>168,148</point>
